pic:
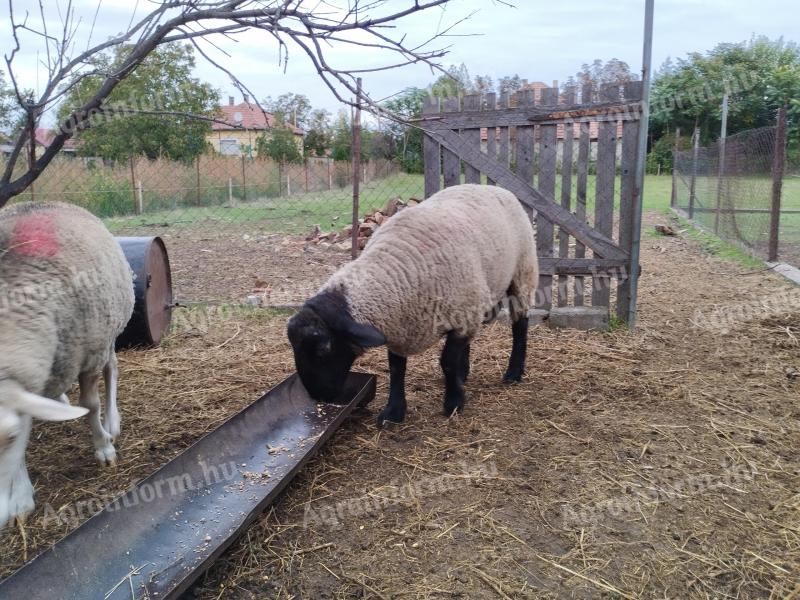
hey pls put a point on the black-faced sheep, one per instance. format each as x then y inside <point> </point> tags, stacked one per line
<point>66,293</point>
<point>434,270</point>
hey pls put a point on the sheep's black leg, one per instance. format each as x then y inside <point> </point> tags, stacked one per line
<point>395,411</point>
<point>516,364</point>
<point>454,361</point>
<point>465,364</point>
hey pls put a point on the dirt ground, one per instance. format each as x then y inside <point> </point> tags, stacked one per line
<point>218,266</point>
<point>660,463</point>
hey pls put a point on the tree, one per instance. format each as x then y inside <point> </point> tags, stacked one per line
<point>292,108</point>
<point>509,84</point>
<point>6,104</point>
<point>407,140</point>
<point>455,82</point>
<point>318,133</point>
<point>161,84</point>
<point>482,84</point>
<point>600,73</point>
<point>280,145</point>
<point>370,24</point>
<point>759,76</point>
<point>342,142</point>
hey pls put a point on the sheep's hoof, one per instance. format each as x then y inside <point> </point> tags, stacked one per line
<point>17,499</point>
<point>453,405</point>
<point>388,417</point>
<point>106,455</point>
<point>512,377</point>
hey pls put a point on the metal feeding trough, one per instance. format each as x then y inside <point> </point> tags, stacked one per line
<point>157,538</point>
<point>152,312</point>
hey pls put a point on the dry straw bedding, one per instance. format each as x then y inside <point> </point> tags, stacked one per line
<point>661,463</point>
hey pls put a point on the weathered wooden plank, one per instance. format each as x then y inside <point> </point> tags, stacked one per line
<point>526,115</point>
<point>632,91</point>
<point>505,136</point>
<point>604,200</point>
<point>451,164</point>
<point>610,93</point>
<point>566,197</point>
<point>490,105</point>
<point>431,152</point>
<point>472,102</point>
<point>524,144</point>
<point>628,195</point>
<point>548,152</point>
<point>554,265</point>
<point>582,170</point>
<point>600,244</point>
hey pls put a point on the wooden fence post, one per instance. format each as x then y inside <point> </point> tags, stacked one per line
<point>244,180</point>
<point>673,202</point>
<point>778,163</point>
<point>197,180</point>
<point>139,197</point>
<point>133,184</point>
<point>356,156</point>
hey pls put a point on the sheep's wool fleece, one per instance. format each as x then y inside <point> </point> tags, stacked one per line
<point>66,293</point>
<point>441,265</point>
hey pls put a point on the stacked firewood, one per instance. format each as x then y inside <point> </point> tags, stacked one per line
<point>367,226</point>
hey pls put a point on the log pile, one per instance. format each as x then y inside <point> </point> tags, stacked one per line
<point>367,226</point>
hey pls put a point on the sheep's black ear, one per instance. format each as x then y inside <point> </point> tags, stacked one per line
<point>365,336</point>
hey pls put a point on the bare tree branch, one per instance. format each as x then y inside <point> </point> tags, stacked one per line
<point>314,29</point>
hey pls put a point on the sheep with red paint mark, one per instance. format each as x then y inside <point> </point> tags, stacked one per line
<point>66,293</point>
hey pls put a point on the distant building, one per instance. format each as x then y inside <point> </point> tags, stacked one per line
<point>243,124</point>
<point>43,138</point>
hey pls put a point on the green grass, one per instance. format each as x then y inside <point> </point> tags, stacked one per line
<point>290,214</point>
<point>329,209</point>
<point>332,210</point>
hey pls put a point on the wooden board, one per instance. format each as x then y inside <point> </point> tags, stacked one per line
<point>524,144</point>
<point>548,151</point>
<point>604,200</point>
<point>451,163</point>
<point>473,136</point>
<point>490,104</point>
<point>628,195</point>
<point>566,198</point>
<point>431,152</point>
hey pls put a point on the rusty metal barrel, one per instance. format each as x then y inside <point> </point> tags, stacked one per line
<point>152,286</point>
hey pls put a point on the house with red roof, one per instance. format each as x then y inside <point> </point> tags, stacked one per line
<point>242,124</point>
<point>43,137</point>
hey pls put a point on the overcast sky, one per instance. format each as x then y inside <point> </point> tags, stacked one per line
<point>539,40</point>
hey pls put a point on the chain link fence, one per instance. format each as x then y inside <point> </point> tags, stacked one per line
<point>727,189</point>
<point>234,226</point>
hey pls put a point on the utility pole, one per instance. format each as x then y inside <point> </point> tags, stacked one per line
<point>356,160</point>
<point>641,160</point>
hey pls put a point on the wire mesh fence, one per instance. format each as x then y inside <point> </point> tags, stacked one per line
<point>727,188</point>
<point>233,225</point>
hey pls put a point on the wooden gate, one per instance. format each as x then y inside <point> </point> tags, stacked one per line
<point>530,142</point>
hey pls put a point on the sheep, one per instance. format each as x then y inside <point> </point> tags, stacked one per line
<point>66,292</point>
<point>434,270</point>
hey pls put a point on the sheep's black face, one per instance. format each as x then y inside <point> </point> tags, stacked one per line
<point>323,359</point>
<point>326,341</point>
